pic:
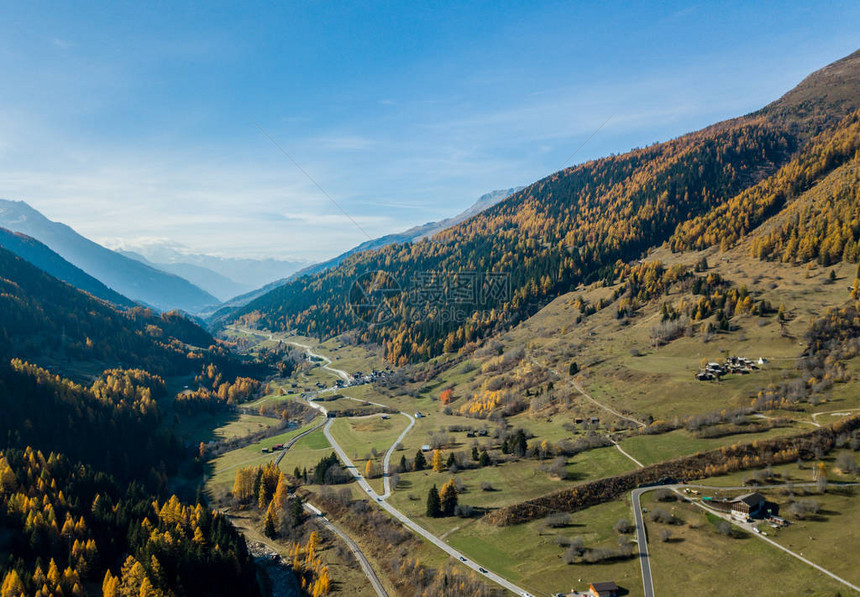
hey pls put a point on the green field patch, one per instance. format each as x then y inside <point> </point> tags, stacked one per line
<point>697,558</point>
<point>650,449</point>
<point>222,470</point>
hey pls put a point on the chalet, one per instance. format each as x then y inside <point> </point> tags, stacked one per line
<point>594,420</point>
<point>418,415</point>
<point>577,420</point>
<point>603,589</point>
<point>753,505</point>
<point>426,448</point>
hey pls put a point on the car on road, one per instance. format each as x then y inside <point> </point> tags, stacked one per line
<point>462,558</point>
<point>379,500</point>
<point>483,570</point>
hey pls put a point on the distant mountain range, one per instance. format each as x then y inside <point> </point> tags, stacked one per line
<point>129,277</point>
<point>411,235</point>
<point>48,261</point>
<point>221,287</point>
<point>224,277</point>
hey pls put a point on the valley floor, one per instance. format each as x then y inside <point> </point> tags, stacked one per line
<point>623,390</point>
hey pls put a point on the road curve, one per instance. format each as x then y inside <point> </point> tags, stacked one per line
<point>415,527</point>
<point>386,463</point>
<point>381,499</point>
<point>844,411</point>
<point>339,372</point>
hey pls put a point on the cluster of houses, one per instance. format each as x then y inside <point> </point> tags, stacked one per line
<point>735,365</point>
<point>359,378</point>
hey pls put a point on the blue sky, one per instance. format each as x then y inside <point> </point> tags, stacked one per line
<point>135,122</point>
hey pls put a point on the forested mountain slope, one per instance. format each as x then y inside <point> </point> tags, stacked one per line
<point>49,322</point>
<point>413,234</point>
<point>43,317</point>
<point>570,227</point>
<point>85,465</point>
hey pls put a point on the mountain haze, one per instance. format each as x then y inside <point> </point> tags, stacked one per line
<point>129,277</point>
<point>48,261</point>
<point>222,276</point>
<point>222,287</point>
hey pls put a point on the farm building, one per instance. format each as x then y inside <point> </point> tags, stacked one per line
<point>753,505</point>
<point>603,589</point>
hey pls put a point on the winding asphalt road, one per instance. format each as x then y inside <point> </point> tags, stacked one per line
<point>381,499</point>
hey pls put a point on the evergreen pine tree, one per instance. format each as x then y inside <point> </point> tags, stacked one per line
<point>271,524</point>
<point>434,505</point>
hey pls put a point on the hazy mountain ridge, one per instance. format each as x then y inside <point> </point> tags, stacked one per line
<point>129,277</point>
<point>222,287</point>
<point>227,276</point>
<point>39,255</point>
